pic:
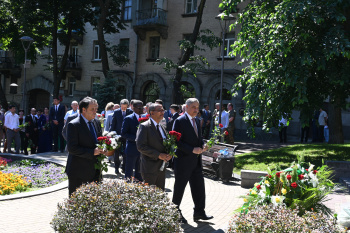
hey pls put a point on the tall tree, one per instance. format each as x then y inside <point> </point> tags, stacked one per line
<point>298,53</point>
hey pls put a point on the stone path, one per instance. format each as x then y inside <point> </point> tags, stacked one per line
<point>33,214</point>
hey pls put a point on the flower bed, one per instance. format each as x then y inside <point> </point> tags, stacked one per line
<point>33,174</point>
<point>117,206</point>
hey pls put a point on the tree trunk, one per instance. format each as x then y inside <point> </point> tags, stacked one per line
<point>100,35</point>
<point>56,82</point>
<point>335,123</point>
<point>186,55</point>
<point>66,49</point>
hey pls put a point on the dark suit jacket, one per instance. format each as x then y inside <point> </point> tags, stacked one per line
<point>31,125</point>
<point>117,121</point>
<point>188,141</point>
<point>206,117</point>
<point>65,127</point>
<point>81,144</point>
<point>59,116</point>
<point>129,129</point>
<point>169,126</point>
<point>150,147</point>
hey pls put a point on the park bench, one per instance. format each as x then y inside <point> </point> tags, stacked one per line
<point>209,158</point>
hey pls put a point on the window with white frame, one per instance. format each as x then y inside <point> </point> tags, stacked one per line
<point>125,47</point>
<point>71,87</point>
<point>229,41</point>
<point>95,85</point>
<point>191,6</point>
<point>127,10</point>
<point>97,54</point>
<point>154,47</point>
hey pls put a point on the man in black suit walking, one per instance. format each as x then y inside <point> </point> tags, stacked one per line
<point>207,119</point>
<point>117,122</point>
<point>82,136</point>
<point>32,132</point>
<point>57,113</point>
<point>174,109</point>
<point>188,164</point>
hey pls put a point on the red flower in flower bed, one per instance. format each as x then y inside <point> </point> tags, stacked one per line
<point>315,171</point>
<point>177,134</point>
<point>258,187</point>
<point>278,174</point>
<point>294,185</point>
<point>226,133</point>
<point>221,126</point>
<point>301,177</point>
<point>269,176</point>
<point>289,177</point>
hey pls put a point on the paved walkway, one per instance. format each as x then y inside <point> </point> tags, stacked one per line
<point>33,214</point>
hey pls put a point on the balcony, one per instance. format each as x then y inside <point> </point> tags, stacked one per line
<point>151,20</point>
<point>74,66</point>
<point>8,66</point>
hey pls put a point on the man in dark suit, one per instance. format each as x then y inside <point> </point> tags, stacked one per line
<point>188,164</point>
<point>57,113</point>
<point>117,122</point>
<point>149,141</point>
<point>32,132</point>
<point>82,136</point>
<point>174,109</point>
<point>129,129</point>
<point>207,119</point>
<point>65,127</point>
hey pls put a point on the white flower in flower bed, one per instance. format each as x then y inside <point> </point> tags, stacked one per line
<point>117,206</point>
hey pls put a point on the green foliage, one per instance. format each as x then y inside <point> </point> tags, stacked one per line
<point>117,206</point>
<point>118,55</point>
<point>297,53</point>
<point>108,92</point>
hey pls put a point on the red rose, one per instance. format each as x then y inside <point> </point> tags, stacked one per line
<point>98,115</point>
<point>315,171</point>
<point>307,170</point>
<point>100,139</point>
<point>221,126</point>
<point>278,174</point>
<point>103,115</point>
<point>301,177</point>
<point>148,115</point>
<point>294,185</point>
<point>258,186</point>
<point>226,133</point>
<point>269,176</point>
<point>108,142</point>
<point>289,177</point>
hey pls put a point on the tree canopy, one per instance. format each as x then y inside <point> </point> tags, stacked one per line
<point>298,55</point>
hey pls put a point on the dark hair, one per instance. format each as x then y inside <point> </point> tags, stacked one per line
<point>12,106</point>
<point>205,105</point>
<point>137,102</point>
<point>21,110</point>
<point>84,103</point>
<point>175,107</point>
<point>159,101</point>
<point>230,104</point>
<point>39,110</point>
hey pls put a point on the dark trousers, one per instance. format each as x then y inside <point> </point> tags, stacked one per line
<point>74,182</point>
<point>283,134</point>
<point>305,131</point>
<point>195,177</point>
<point>157,179</point>
<point>22,136</point>
<point>206,131</point>
<point>132,162</point>
<point>57,133</point>
<point>321,133</point>
<point>34,143</point>
<point>118,152</point>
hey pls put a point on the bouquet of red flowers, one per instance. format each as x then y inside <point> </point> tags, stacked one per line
<point>143,119</point>
<point>216,133</point>
<point>170,145</point>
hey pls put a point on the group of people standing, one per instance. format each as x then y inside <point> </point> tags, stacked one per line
<point>142,150</point>
<point>36,131</point>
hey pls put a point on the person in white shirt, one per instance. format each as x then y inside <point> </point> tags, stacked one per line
<point>322,121</point>
<point>12,125</point>
<point>74,110</point>
<point>224,118</point>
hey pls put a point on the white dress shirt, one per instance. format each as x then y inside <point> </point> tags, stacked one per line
<point>70,112</point>
<point>224,119</point>
<point>12,121</point>
<point>160,127</point>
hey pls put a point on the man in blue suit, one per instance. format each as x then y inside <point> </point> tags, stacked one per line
<point>188,164</point>
<point>117,122</point>
<point>207,119</point>
<point>129,129</point>
<point>57,113</point>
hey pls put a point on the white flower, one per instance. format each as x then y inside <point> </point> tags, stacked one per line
<point>311,168</point>
<point>314,181</point>
<point>277,200</point>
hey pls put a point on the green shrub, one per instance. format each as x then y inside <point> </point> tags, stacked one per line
<point>280,219</point>
<point>117,206</point>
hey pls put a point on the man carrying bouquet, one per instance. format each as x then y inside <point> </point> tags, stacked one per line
<point>149,141</point>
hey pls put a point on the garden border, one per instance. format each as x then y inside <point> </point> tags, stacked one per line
<point>50,189</point>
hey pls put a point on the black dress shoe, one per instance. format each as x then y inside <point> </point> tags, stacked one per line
<point>183,220</point>
<point>202,217</point>
<point>117,171</point>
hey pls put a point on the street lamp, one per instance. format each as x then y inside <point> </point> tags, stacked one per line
<point>13,85</point>
<point>26,42</point>
<point>224,24</point>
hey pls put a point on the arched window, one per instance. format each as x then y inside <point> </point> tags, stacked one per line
<point>226,95</point>
<point>151,92</point>
<point>187,91</point>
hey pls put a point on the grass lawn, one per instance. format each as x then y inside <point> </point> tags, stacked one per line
<point>283,157</point>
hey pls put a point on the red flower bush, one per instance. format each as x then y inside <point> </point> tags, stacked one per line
<point>278,174</point>
<point>258,186</point>
<point>289,177</point>
<point>301,177</point>
<point>294,185</point>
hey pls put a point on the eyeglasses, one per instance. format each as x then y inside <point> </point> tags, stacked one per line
<point>161,110</point>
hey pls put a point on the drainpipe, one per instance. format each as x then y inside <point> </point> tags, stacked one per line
<point>135,67</point>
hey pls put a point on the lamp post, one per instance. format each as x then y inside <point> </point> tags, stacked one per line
<point>26,42</point>
<point>13,85</point>
<point>224,20</point>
